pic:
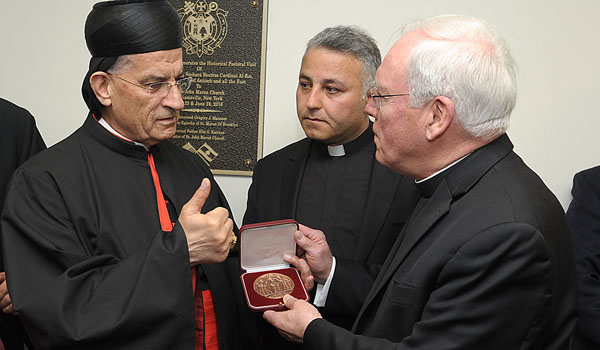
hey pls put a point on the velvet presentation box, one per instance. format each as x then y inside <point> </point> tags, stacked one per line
<point>268,277</point>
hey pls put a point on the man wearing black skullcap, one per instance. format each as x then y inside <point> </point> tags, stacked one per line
<point>115,238</point>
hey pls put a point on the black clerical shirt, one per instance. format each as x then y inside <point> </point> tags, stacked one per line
<point>334,189</point>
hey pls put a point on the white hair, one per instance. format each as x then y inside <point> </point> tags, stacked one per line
<point>121,65</point>
<point>466,60</point>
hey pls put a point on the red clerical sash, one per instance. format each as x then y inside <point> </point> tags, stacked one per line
<point>206,334</point>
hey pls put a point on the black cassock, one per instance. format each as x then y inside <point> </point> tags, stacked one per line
<point>89,266</point>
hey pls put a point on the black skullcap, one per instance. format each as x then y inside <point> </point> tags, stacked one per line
<point>123,27</point>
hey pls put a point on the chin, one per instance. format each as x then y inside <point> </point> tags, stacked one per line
<point>164,136</point>
<point>379,157</point>
<point>311,134</point>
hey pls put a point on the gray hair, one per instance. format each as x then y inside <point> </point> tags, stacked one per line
<point>121,65</point>
<point>354,41</point>
<point>466,60</point>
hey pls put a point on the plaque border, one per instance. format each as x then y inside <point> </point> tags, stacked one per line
<point>261,103</point>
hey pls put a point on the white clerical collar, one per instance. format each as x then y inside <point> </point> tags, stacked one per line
<point>336,151</point>
<point>103,122</point>
<point>442,170</point>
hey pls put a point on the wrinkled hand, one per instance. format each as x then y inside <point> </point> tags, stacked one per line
<point>292,323</point>
<point>313,248</point>
<point>5,302</point>
<point>302,266</point>
<point>209,235</point>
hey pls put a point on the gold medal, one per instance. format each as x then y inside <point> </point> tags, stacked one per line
<point>273,285</point>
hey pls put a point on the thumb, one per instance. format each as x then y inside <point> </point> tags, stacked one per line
<point>197,201</point>
<point>302,241</point>
<point>289,301</point>
<point>309,233</point>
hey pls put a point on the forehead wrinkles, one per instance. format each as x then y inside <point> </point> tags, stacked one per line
<point>160,64</point>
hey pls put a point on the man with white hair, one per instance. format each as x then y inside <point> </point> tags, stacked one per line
<point>485,261</point>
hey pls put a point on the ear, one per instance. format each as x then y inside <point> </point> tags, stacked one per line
<point>442,115</point>
<point>100,84</point>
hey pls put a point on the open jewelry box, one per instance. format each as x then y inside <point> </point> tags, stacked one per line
<point>268,277</point>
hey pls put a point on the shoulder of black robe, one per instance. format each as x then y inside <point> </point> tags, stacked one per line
<point>99,272</point>
<point>264,202</point>
<point>19,140</point>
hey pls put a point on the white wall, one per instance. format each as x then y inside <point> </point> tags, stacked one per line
<point>555,43</point>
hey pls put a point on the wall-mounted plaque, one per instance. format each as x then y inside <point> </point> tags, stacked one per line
<point>224,51</point>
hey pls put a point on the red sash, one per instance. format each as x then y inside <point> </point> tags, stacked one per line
<point>204,309</point>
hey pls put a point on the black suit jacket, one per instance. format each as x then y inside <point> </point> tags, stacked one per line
<point>584,221</point>
<point>485,263</point>
<point>391,198</point>
<point>19,140</point>
<point>276,184</point>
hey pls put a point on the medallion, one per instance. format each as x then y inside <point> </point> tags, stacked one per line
<point>273,285</point>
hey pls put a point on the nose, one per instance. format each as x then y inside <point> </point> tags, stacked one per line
<point>174,99</point>
<point>370,108</point>
<point>313,100</point>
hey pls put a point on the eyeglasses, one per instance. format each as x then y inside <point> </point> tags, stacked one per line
<point>162,88</point>
<point>376,96</point>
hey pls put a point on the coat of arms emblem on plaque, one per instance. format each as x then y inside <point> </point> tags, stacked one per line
<point>204,27</point>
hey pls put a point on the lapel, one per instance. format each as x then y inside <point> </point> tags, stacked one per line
<point>426,214</point>
<point>292,178</point>
<point>456,182</point>
<point>382,189</point>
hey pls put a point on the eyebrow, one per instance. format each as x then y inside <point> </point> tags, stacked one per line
<point>332,81</point>
<point>323,81</point>
<point>380,89</point>
<point>305,77</point>
<point>155,78</point>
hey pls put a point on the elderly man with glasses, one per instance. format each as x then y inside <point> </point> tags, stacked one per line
<point>115,238</point>
<point>486,259</point>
